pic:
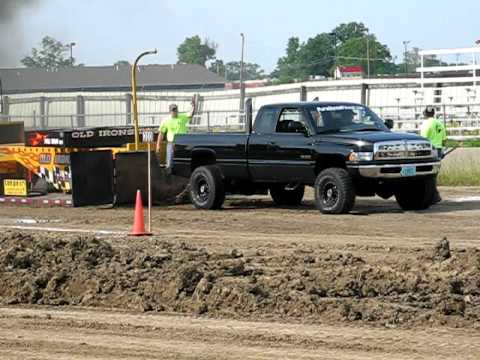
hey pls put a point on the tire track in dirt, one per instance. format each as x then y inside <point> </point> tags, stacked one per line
<point>47,333</point>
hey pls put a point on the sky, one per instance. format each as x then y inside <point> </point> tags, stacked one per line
<point>106,31</point>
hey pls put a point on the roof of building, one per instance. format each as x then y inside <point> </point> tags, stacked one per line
<point>108,78</point>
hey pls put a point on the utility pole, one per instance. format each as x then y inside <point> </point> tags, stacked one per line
<point>368,55</point>
<point>335,64</point>
<point>242,86</point>
<point>405,44</point>
<point>71,45</point>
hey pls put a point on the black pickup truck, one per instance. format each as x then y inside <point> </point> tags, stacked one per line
<point>342,149</point>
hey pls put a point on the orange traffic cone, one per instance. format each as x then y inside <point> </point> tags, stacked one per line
<point>138,220</point>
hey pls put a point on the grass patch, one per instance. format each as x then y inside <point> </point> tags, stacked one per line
<point>459,178</point>
<point>460,171</point>
<point>465,143</point>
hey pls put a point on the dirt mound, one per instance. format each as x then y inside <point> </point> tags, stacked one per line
<point>442,250</point>
<point>307,284</point>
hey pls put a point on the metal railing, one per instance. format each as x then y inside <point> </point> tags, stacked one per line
<point>218,121</point>
<point>462,120</point>
<point>211,120</point>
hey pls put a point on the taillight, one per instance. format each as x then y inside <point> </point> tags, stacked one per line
<point>37,139</point>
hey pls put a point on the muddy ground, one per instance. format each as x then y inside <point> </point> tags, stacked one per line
<point>285,273</point>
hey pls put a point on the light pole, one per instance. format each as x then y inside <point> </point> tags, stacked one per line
<point>134,94</point>
<point>242,87</point>
<point>71,45</point>
<point>405,44</point>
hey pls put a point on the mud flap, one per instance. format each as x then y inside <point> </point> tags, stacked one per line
<point>92,178</point>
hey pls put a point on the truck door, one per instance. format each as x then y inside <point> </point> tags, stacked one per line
<point>291,147</point>
<point>259,165</point>
<point>282,151</point>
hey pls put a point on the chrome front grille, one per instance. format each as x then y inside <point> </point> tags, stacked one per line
<point>409,149</point>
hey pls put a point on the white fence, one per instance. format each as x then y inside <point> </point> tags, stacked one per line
<point>399,99</point>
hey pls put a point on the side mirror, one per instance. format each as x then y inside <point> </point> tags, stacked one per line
<point>389,123</point>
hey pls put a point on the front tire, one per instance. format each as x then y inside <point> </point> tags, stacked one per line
<point>334,191</point>
<point>416,194</point>
<point>282,195</point>
<point>207,190</point>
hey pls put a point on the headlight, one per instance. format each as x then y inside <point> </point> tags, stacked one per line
<point>360,156</point>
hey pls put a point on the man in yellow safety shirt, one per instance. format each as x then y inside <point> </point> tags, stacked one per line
<point>176,124</point>
<point>434,130</point>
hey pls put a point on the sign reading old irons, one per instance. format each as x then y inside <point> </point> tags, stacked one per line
<point>86,138</point>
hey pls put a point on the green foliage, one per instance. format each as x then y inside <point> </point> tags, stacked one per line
<point>413,60</point>
<point>51,55</point>
<point>218,67</point>
<point>345,32</point>
<point>461,168</point>
<point>250,71</point>
<point>466,173</point>
<point>354,52</point>
<point>194,51</point>
<point>122,63</point>
<point>290,67</point>
<point>231,70</point>
<point>323,45</point>
<point>345,45</point>
<point>464,143</point>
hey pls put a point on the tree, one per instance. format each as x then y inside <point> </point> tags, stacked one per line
<point>122,63</point>
<point>193,51</point>
<point>414,61</point>
<point>218,67</point>
<point>345,32</point>
<point>345,45</point>
<point>354,52</point>
<point>318,55</point>
<point>250,71</point>
<point>51,55</point>
<point>290,67</point>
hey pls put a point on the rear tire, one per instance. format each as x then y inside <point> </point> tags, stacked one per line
<point>207,190</point>
<point>416,194</point>
<point>283,196</point>
<point>334,191</point>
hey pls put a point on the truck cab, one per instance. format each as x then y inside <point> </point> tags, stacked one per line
<point>343,150</point>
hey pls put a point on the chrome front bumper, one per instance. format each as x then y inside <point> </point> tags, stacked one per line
<point>393,171</point>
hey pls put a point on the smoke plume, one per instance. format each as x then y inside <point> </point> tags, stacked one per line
<point>11,32</point>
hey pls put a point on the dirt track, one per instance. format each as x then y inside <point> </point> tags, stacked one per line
<point>252,281</point>
<point>80,334</point>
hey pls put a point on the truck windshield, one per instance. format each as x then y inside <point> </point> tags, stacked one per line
<point>346,118</point>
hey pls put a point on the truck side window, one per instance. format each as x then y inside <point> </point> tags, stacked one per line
<point>265,123</point>
<point>291,121</point>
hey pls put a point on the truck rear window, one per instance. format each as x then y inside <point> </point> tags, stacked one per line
<point>266,121</point>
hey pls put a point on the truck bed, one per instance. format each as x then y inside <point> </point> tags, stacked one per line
<point>230,152</point>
